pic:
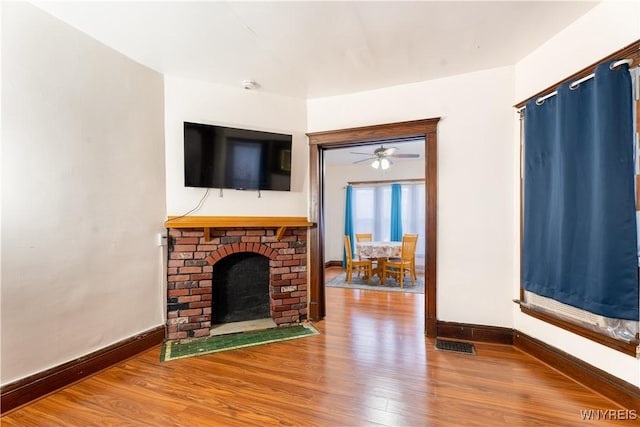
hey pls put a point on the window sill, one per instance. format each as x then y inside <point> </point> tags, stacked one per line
<point>621,346</point>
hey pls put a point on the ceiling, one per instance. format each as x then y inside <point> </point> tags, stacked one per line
<point>345,156</point>
<point>315,49</point>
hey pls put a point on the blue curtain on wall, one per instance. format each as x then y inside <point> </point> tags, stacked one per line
<point>348,222</point>
<point>396,213</point>
<point>579,228</point>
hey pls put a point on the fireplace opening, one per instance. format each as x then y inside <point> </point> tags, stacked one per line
<point>240,288</point>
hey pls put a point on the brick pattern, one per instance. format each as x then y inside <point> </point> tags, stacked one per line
<point>190,274</point>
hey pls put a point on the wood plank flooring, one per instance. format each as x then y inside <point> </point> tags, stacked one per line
<point>370,366</point>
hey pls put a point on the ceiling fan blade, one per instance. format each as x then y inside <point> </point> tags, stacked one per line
<point>405,156</point>
<point>365,160</point>
<point>355,152</point>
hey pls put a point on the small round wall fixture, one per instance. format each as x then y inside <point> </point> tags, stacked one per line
<point>249,84</point>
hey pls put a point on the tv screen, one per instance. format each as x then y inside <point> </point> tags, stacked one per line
<point>242,159</point>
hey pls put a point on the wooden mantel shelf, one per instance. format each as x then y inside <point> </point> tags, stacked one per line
<point>209,222</point>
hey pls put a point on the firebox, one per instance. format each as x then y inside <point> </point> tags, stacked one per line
<point>240,288</point>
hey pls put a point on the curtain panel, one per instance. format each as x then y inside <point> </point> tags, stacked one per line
<point>396,213</point>
<point>348,223</point>
<point>579,226</point>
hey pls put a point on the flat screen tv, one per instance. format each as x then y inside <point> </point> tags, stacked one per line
<point>242,159</point>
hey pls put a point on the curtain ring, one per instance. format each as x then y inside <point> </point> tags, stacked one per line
<point>539,101</point>
<point>616,64</point>
<point>574,86</point>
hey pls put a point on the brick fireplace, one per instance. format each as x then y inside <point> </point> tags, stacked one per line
<point>193,254</point>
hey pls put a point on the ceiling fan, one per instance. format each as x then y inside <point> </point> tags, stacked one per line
<point>380,157</point>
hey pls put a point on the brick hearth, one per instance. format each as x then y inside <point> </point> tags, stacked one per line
<point>190,274</point>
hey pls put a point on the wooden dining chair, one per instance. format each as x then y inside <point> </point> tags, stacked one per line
<point>365,237</point>
<point>398,268</point>
<point>356,266</point>
<point>413,261</point>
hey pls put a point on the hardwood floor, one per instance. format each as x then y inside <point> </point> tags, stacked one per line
<point>370,366</point>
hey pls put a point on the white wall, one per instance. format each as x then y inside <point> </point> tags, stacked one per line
<point>606,28</point>
<point>475,166</point>
<point>336,178</point>
<point>82,194</point>
<point>609,26</point>
<point>194,101</point>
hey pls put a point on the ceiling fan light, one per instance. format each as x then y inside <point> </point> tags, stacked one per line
<point>375,164</point>
<point>385,163</point>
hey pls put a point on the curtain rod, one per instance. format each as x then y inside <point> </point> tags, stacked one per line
<point>574,85</point>
<point>389,181</point>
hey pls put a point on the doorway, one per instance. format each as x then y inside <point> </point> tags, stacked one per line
<point>345,138</point>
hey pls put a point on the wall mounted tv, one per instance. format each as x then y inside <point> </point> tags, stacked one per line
<point>242,159</point>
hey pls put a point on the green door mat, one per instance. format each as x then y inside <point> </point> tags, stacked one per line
<point>176,350</point>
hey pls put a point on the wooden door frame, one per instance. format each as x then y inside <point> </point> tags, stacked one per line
<point>318,141</point>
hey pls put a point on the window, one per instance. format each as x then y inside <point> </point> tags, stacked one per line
<point>372,211</point>
<point>413,214</point>
<point>579,259</point>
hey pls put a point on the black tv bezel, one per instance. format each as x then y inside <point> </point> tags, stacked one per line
<point>282,143</point>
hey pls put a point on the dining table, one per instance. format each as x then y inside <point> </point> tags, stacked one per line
<point>380,251</point>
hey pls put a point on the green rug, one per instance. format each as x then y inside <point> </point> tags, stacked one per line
<point>172,350</point>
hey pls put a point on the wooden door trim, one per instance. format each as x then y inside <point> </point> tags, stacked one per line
<point>318,141</point>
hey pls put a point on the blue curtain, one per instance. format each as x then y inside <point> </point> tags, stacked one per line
<point>579,227</point>
<point>348,222</point>
<point>396,213</point>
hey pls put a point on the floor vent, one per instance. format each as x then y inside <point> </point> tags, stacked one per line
<point>455,346</point>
